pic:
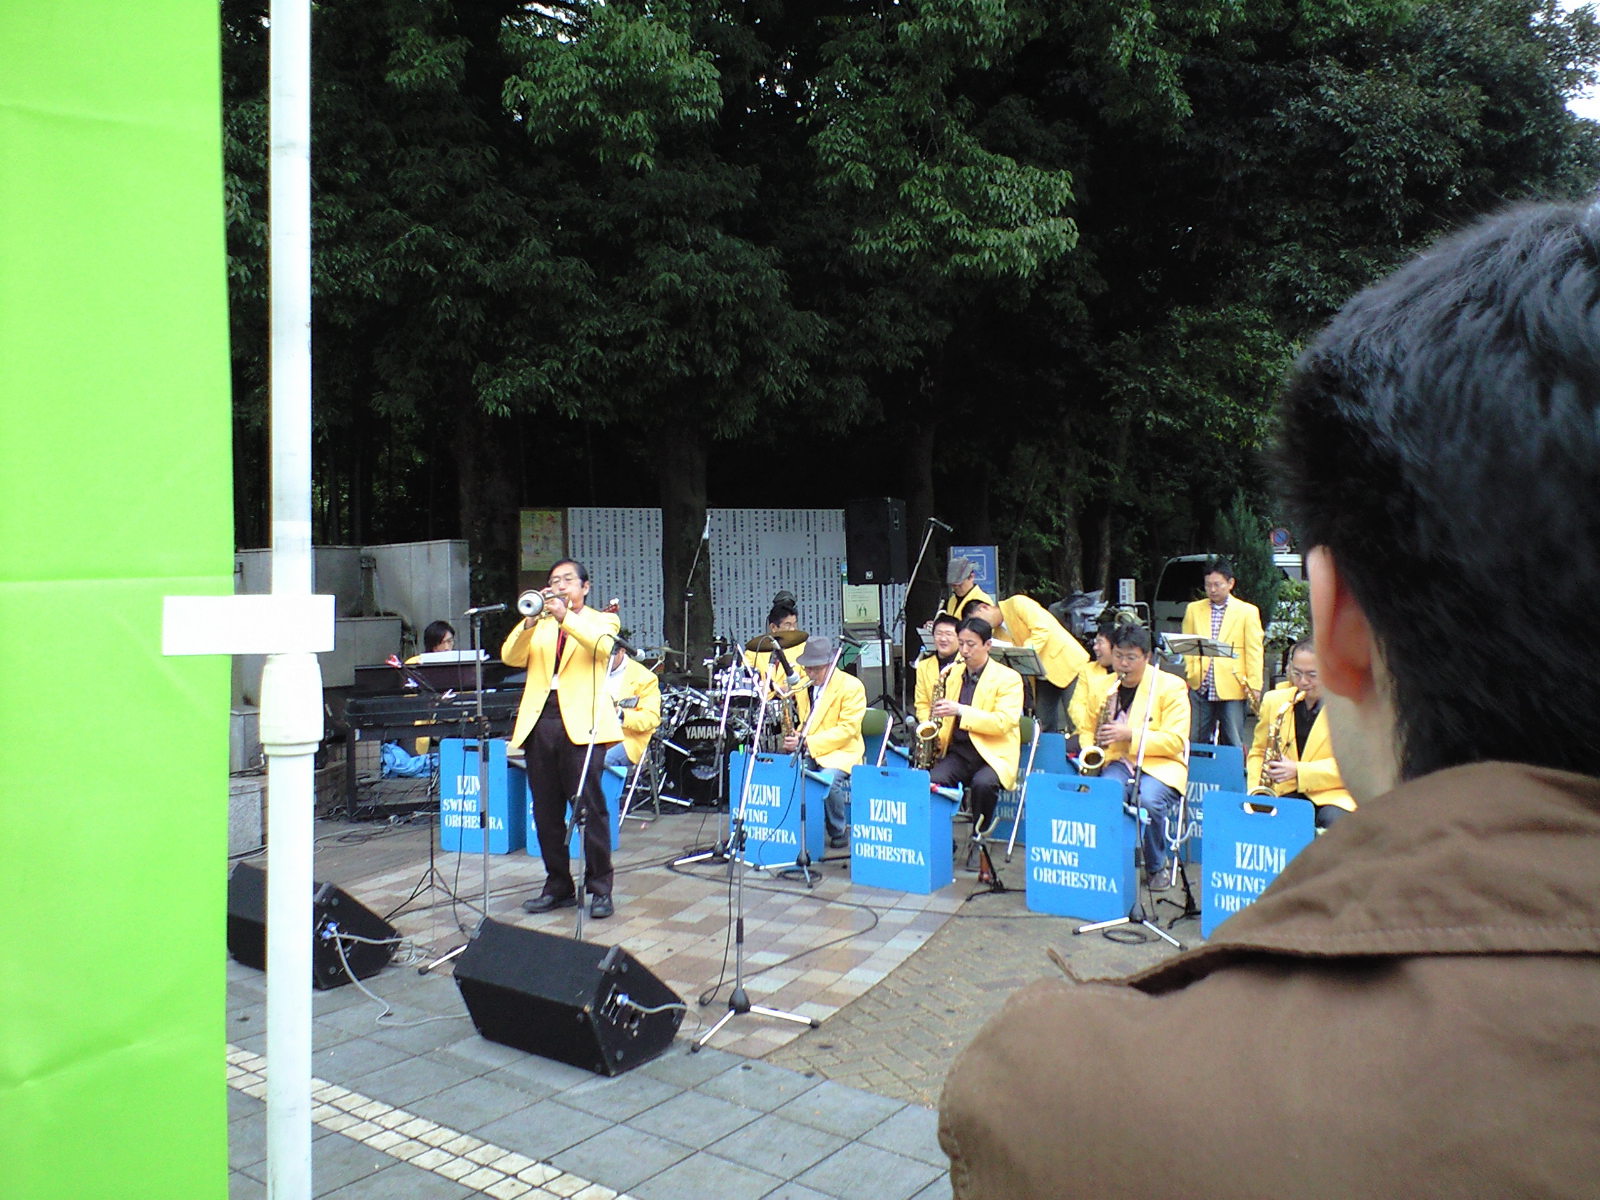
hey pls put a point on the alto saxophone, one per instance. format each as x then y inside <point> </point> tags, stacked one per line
<point>926,749</point>
<point>1092,758</point>
<point>1264,787</point>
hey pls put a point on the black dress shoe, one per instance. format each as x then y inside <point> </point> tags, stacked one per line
<point>601,907</point>
<point>541,904</point>
<point>838,841</point>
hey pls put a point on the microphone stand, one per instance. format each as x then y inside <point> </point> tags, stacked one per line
<point>802,860</point>
<point>688,585</point>
<point>739,1001</point>
<point>899,617</point>
<point>719,851</point>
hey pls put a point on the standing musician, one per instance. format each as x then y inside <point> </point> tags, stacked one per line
<point>784,618</point>
<point>1292,716</point>
<point>932,666</point>
<point>630,679</point>
<point>832,741</point>
<point>962,577</point>
<point>565,710</point>
<point>1142,723</point>
<point>1221,685</point>
<point>1092,683</point>
<point>1023,621</point>
<point>978,722</point>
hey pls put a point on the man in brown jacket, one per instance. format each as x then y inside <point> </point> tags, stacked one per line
<point>1413,1007</point>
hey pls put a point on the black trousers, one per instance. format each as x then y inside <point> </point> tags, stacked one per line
<point>554,763</point>
<point>963,764</point>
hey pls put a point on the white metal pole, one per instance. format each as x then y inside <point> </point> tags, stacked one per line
<point>291,684</point>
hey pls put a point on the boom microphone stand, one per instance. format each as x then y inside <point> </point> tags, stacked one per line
<point>899,617</point>
<point>739,1001</point>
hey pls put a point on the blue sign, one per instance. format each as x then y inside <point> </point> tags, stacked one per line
<point>1080,848</point>
<point>899,831</point>
<point>1249,841</point>
<point>986,561</point>
<point>459,795</point>
<point>1051,757</point>
<point>779,790</point>
<point>1211,768</point>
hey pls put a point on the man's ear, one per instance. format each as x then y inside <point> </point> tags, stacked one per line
<point>1346,652</point>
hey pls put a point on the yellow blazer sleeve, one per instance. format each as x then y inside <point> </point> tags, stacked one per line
<point>1086,698</point>
<point>1167,733</point>
<point>641,684</point>
<point>1271,705</point>
<point>1002,711</point>
<point>1253,647</point>
<point>927,674</point>
<point>838,727</point>
<point>514,650</point>
<point>1194,667</point>
<point>592,629</point>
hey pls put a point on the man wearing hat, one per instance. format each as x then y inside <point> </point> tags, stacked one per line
<point>831,707</point>
<point>962,576</point>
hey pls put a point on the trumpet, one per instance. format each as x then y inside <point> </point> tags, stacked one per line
<point>1092,758</point>
<point>1264,786</point>
<point>532,603</point>
<point>926,749</point>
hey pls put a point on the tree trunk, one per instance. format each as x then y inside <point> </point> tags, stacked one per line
<point>483,449</point>
<point>682,487</point>
<point>927,590</point>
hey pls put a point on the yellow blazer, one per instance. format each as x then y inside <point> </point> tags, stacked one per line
<point>1086,699</point>
<point>640,721</point>
<point>1319,780</point>
<point>1241,629</point>
<point>928,669</point>
<point>834,738</point>
<point>1166,740</point>
<point>1029,623</point>
<point>953,605</point>
<point>585,706</point>
<point>992,719</point>
<point>765,664</point>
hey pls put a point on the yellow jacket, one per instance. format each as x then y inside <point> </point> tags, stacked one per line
<point>765,664</point>
<point>834,738</point>
<point>640,721</point>
<point>953,604</point>
<point>928,669</point>
<point>1241,629</point>
<point>1086,698</point>
<point>991,720</point>
<point>1166,740</point>
<point>1319,779</point>
<point>586,710</point>
<point>1029,623</point>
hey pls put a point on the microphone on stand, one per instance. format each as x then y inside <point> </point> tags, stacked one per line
<point>795,678</point>
<point>940,524</point>
<point>483,609</point>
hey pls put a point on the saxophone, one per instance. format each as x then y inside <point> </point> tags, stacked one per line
<point>1092,758</point>
<point>1264,787</point>
<point>926,748</point>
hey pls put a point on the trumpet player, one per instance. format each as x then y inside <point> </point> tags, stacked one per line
<point>1142,722</point>
<point>1220,686</point>
<point>831,740</point>
<point>635,690</point>
<point>565,709</point>
<point>1292,717</point>
<point>978,716</point>
<point>1023,621</point>
<point>933,666</point>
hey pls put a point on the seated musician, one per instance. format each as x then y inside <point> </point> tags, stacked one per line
<point>1293,717</point>
<point>1142,723</point>
<point>931,669</point>
<point>962,577</point>
<point>832,740</point>
<point>630,679</point>
<point>439,635</point>
<point>784,617</point>
<point>978,724</point>
<point>1023,621</point>
<point>1092,683</point>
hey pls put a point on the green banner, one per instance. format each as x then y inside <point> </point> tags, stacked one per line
<point>114,492</point>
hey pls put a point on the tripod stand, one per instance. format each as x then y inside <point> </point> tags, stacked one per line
<point>739,1001</point>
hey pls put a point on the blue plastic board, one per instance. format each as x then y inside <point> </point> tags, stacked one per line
<point>899,831</point>
<point>1211,768</point>
<point>1249,841</point>
<point>1080,848</point>
<point>772,812</point>
<point>610,787</point>
<point>1005,816</point>
<point>1051,757</point>
<point>458,799</point>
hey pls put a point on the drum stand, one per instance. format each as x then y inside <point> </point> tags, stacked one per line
<point>739,1001</point>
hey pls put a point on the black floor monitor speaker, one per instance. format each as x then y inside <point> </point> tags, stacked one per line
<point>595,1007</point>
<point>875,541</point>
<point>333,912</point>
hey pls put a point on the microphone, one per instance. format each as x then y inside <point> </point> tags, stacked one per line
<point>484,608</point>
<point>940,524</point>
<point>618,642</point>
<point>705,534</point>
<point>795,677</point>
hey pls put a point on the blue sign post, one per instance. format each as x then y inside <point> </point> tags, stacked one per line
<point>1249,841</point>
<point>458,798</point>
<point>1080,848</point>
<point>899,831</point>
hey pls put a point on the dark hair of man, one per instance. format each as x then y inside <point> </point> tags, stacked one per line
<point>1304,646</point>
<point>779,612</point>
<point>434,634</point>
<point>1219,566</point>
<point>971,607</point>
<point>979,626</point>
<point>583,571</point>
<point>1136,636</point>
<point>1441,439</point>
<point>945,618</point>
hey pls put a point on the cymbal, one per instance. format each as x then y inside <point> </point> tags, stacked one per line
<point>788,639</point>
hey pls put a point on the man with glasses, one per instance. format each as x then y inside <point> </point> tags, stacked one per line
<point>566,721</point>
<point>1293,722</point>
<point>978,720</point>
